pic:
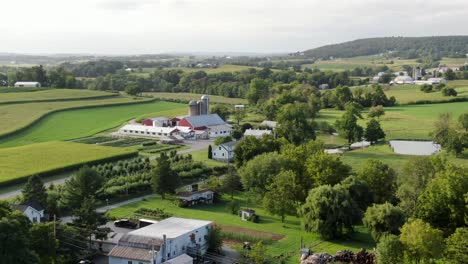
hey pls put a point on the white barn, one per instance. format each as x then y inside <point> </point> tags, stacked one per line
<point>156,132</point>
<point>27,84</point>
<point>224,152</point>
<point>161,242</point>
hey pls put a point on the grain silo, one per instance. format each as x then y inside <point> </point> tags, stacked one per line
<point>193,108</point>
<point>205,105</point>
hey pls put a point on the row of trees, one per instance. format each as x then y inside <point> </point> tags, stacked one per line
<point>55,77</point>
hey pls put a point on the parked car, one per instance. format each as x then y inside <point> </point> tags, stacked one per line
<point>85,261</point>
<point>125,223</point>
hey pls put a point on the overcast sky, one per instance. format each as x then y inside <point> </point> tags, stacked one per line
<point>159,26</point>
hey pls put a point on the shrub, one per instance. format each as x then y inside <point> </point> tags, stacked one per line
<point>449,92</point>
<point>233,207</point>
<point>427,88</point>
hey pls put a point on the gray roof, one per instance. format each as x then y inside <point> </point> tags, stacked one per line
<point>161,118</point>
<point>131,253</point>
<point>141,240</point>
<point>229,144</point>
<point>23,206</point>
<point>205,120</point>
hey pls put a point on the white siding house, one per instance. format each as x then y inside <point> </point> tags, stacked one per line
<point>32,210</point>
<point>224,152</point>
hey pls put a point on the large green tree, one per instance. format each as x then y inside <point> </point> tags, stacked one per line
<point>85,183</point>
<point>373,131</point>
<point>383,219</point>
<point>348,127</point>
<point>390,250</point>
<point>294,123</point>
<point>164,179</point>
<point>381,179</point>
<point>258,90</point>
<point>457,247</point>
<point>329,211</point>
<point>222,110</point>
<point>359,191</point>
<point>44,243</point>
<point>260,172</point>
<point>34,190</point>
<point>279,198</point>
<point>423,243</point>
<point>324,168</point>
<point>231,183</point>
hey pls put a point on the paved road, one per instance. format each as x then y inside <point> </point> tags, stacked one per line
<point>11,194</point>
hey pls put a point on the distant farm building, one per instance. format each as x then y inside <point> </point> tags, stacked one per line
<point>195,196</point>
<point>258,133</point>
<point>157,122</point>
<point>32,210</point>
<point>402,80</point>
<point>239,107</point>
<point>212,123</point>
<point>27,84</point>
<point>324,86</point>
<point>224,152</point>
<point>268,123</point>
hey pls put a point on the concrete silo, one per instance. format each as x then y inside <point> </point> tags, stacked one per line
<point>205,105</point>
<point>193,109</point>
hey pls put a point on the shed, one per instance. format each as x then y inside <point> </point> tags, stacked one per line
<point>27,84</point>
<point>246,214</point>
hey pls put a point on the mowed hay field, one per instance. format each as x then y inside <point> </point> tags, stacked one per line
<point>52,95</point>
<point>21,162</point>
<point>191,96</point>
<point>408,94</point>
<point>405,122</point>
<point>362,61</point>
<point>222,68</point>
<point>72,124</point>
<point>17,116</point>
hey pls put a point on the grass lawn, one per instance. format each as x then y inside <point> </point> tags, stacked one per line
<point>405,122</point>
<point>21,162</point>
<point>202,155</point>
<point>407,94</point>
<point>80,123</point>
<point>373,61</point>
<point>17,116</point>
<point>291,229</point>
<point>52,95</point>
<point>192,96</point>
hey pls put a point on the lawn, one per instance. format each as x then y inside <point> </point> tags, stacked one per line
<point>21,162</point>
<point>405,122</point>
<point>408,94</point>
<point>344,64</point>
<point>291,229</point>
<point>202,155</point>
<point>17,116</point>
<point>81,123</point>
<point>191,96</point>
<point>52,95</point>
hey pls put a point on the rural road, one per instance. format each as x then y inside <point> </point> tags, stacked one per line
<point>194,146</point>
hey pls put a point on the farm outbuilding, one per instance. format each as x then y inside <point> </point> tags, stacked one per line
<point>28,84</point>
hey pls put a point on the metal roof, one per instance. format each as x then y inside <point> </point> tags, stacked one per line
<point>131,253</point>
<point>172,227</point>
<point>141,240</point>
<point>182,259</point>
<point>140,128</point>
<point>205,120</point>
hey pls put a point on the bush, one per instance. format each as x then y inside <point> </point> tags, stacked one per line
<point>156,213</point>
<point>427,88</point>
<point>233,207</point>
<point>449,92</point>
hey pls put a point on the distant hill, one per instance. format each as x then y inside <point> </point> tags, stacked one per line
<point>404,47</point>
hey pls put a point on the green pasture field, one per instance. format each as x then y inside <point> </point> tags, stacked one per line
<point>405,122</point>
<point>52,95</point>
<point>408,94</point>
<point>17,116</point>
<point>362,61</point>
<point>291,230</point>
<point>79,123</point>
<point>21,162</point>
<point>222,68</point>
<point>191,96</point>
<point>453,62</point>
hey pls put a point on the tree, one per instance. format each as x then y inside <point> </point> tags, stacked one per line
<point>133,89</point>
<point>295,124</point>
<point>383,219</point>
<point>85,183</point>
<point>221,110</point>
<point>231,182</point>
<point>221,140</point>
<point>381,179</point>
<point>463,120</point>
<point>359,191</point>
<point>390,250</point>
<point>259,172</point>
<point>348,127</point>
<point>323,168</point>
<point>44,243</point>
<point>34,190</point>
<point>457,245</point>
<point>210,152</point>
<point>250,146</point>
<point>376,111</point>
<point>214,239</point>
<point>239,115</point>
<point>373,132</point>
<point>342,96</point>
<point>328,210</point>
<point>258,90</point>
<point>164,179</point>
<point>447,91</point>
<point>422,242</point>
<point>442,204</point>
<point>258,253</point>
<point>279,198</point>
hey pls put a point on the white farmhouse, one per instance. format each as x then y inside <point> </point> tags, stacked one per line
<point>32,210</point>
<point>224,152</point>
<point>258,133</point>
<point>27,84</point>
<point>161,242</point>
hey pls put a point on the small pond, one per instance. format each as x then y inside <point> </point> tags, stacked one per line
<point>420,148</point>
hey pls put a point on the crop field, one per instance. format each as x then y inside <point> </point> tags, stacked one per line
<point>79,123</point>
<point>363,61</point>
<point>21,162</point>
<point>453,62</point>
<point>290,232</point>
<point>191,96</point>
<point>405,122</point>
<point>52,95</point>
<point>222,68</point>
<point>17,116</point>
<point>407,94</point>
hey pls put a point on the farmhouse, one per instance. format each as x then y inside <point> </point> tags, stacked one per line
<point>32,210</point>
<point>212,123</point>
<point>161,242</point>
<point>195,196</point>
<point>224,152</point>
<point>27,84</point>
<point>258,133</point>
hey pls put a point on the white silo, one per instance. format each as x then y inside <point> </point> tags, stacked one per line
<point>206,105</point>
<point>193,108</point>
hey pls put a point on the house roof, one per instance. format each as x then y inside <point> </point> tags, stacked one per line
<point>188,194</point>
<point>143,128</point>
<point>142,239</point>
<point>26,83</point>
<point>23,206</point>
<point>172,227</point>
<point>161,118</point>
<point>205,120</point>
<point>182,259</point>
<point>248,210</point>
<point>131,253</point>
<point>229,144</point>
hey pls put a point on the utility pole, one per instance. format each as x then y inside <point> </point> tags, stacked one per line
<point>55,230</point>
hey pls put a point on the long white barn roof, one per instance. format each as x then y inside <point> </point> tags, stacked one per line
<point>172,227</point>
<point>148,128</point>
